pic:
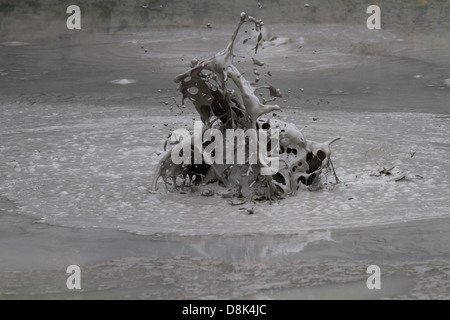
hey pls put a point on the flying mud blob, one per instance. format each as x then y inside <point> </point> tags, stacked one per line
<point>225,100</point>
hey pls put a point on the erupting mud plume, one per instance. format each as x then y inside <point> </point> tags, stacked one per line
<point>207,85</point>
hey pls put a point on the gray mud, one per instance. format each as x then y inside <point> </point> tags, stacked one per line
<point>83,121</point>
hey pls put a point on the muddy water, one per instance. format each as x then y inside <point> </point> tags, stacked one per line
<point>83,122</point>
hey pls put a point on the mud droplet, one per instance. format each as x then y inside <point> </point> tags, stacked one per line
<point>194,62</point>
<point>207,193</point>
<point>257,62</point>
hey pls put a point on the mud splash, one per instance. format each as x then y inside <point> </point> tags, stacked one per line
<point>224,105</point>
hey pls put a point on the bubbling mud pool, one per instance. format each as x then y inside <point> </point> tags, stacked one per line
<point>83,121</point>
<point>89,174</point>
<point>79,151</point>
